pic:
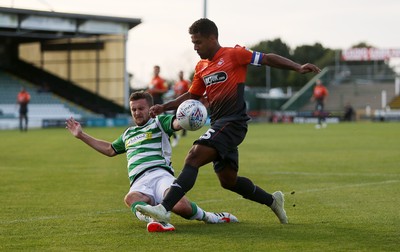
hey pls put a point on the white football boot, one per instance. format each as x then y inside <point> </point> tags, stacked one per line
<point>158,213</point>
<point>216,218</point>
<point>278,207</point>
<point>155,226</point>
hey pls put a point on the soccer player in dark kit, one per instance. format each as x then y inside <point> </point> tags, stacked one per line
<point>220,76</point>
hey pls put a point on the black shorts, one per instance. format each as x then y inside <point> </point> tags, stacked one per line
<point>319,106</point>
<point>225,137</point>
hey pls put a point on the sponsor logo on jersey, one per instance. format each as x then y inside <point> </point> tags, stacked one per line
<point>137,139</point>
<point>215,78</point>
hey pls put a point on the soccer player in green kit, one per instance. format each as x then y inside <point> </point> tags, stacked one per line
<point>148,152</point>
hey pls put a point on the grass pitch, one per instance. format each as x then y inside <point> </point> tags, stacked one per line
<point>57,194</point>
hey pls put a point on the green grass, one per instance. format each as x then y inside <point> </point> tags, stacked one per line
<point>56,194</point>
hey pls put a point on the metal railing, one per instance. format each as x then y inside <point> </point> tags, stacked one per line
<point>303,96</point>
<point>341,74</point>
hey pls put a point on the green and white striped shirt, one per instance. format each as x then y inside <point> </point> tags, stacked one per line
<point>147,146</point>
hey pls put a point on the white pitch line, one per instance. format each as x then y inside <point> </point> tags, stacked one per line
<point>336,174</point>
<point>201,201</point>
<point>59,217</point>
<point>313,190</point>
<point>349,186</point>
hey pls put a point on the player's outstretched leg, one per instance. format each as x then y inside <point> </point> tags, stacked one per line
<point>216,218</point>
<point>278,207</point>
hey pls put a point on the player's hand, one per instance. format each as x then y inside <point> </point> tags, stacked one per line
<point>156,110</point>
<point>309,68</point>
<point>73,126</point>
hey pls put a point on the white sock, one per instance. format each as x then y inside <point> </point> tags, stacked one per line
<point>199,213</point>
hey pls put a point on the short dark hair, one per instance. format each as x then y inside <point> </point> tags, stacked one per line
<point>142,95</point>
<point>205,27</point>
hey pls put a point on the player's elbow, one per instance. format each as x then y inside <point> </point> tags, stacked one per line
<point>109,152</point>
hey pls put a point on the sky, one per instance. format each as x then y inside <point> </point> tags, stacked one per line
<point>162,38</point>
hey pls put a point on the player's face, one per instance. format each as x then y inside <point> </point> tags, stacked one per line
<point>140,111</point>
<point>203,45</point>
<point>156,71</point>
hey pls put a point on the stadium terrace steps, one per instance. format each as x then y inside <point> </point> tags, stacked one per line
<point>395,103</point>
<point>42,111</point>
<point>358,95</point>
<point>43,104</point>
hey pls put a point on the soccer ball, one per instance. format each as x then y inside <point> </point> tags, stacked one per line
<point>191,115</point>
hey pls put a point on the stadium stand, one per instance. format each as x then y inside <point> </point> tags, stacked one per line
<point>369,89</point>
<point>66,89</point>
<point>71,64</point>
<point>43,105</point>
<point>395,103</point>
<point>359,95</point>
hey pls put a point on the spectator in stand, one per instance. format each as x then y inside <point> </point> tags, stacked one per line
<point>157,87</point>
<point>320,95</point>
<point>23,98</point>
<point>181,87</point>
<point>349,113</point>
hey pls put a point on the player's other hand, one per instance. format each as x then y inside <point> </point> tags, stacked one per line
<point>156,110</point>
<point>73,126</point>
<point>309,68</point>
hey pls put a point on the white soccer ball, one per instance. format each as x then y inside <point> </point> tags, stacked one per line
<point>191,115</point>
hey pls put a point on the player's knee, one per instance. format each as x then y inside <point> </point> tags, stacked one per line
<point>192,157</point>
<point>127,200</point>
<point>200,155</point>
<point>227,178</point>
<point>133,197</point>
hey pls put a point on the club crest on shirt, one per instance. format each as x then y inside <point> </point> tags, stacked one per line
<point>215,78</point>
<point>220,62</point>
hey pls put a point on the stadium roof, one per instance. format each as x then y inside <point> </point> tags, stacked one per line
<point>34,25</point>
